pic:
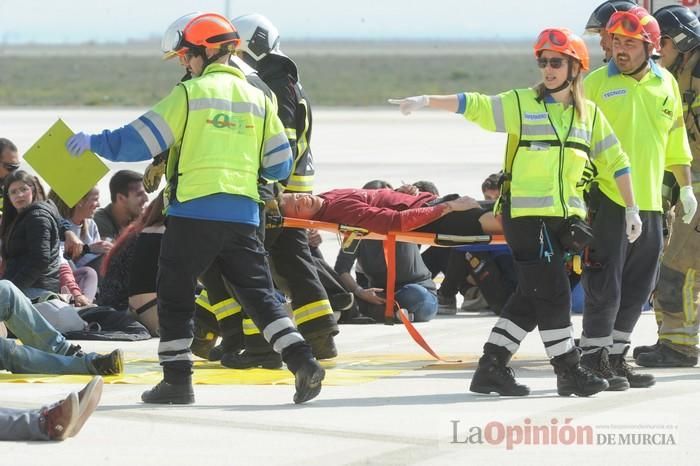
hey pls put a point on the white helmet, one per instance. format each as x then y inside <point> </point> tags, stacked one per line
<point>172,35</point>
<point>258,36</point>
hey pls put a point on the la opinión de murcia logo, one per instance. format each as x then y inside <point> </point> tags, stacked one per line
<point>561,432</point>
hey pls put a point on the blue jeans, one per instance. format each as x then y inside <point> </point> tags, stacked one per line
<point>418,300</point>
<point>21,424</point>
<point>43,349</point>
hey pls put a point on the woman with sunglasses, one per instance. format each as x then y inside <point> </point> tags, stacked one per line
<point>30,236</point>
<point>556,140</point>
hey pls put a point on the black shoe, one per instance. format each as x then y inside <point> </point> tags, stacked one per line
<point>246,360</point>
<point>621,367</point>
<point>341,301</point>
<point>75,350</point>
<point>202,343</point>
<point>109,364</point>
<point>574,379</point>
<point>664,356</point>
<point>323,346</point>
<point>228,345</point>
<point>493,375</point>
<point>645,349</point>
<point>599,364</point>
<point>447,305</point>
<point>307,381</point>
<point>166,393</point>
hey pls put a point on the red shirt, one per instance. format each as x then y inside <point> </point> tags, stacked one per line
<point>378,210</point>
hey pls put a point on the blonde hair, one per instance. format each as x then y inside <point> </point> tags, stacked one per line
<point>577,94</point>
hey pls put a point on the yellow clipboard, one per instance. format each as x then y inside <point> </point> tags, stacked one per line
<point>71,177</point>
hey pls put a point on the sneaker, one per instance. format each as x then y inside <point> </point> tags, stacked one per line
<point>621,367</point>
<point>166,393</point>
<point>474,301</point>
<point>323,346</point>
<point>599,364</point>
<point>247,360</point>
<point>88,398</point>
<point>58,420</point>
<point>645,349</point>
<point>307,381</point>
<point>109,364</point>
<point>665,356</point>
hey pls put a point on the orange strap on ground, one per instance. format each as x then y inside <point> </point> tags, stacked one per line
<point>418,338</point>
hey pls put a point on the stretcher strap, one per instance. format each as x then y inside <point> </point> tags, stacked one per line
<point>390,256</point>
<point>418,338</point>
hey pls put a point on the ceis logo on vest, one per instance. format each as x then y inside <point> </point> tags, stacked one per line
<point>225,121</point>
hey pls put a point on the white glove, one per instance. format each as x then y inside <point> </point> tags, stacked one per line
<point>78,143</point>
<point>690,204</point>
<point>633,223</point>
<point>411,104</point>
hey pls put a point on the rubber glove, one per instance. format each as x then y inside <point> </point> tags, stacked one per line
<point>152,176</point>
<point>78,143</point>
<point>633,223</point>
<point>690,204</point>
<point>411,104</point>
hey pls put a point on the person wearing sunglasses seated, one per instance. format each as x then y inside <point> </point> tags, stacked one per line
<point>554,136</point>
<point>9,161</point>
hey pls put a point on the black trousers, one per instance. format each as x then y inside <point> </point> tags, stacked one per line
<point>188,248</point>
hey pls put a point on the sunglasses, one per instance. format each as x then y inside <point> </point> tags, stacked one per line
<point>554,37</point>
<point>625,23</point>
<point>555,62</point>
<point>10,167</point>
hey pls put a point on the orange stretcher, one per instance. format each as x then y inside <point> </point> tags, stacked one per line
<point>348,234</point>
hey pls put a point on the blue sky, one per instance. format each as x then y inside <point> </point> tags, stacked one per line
<point>75,21</point>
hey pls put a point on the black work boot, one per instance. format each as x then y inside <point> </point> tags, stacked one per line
<point>494,375</point>
<point>644,349</point>
<point>307,381</point>
<point>599,364</point>
<point>248,359</point>
<point>621,367</point>
<point>167,393</point>
<point>323,345</point>
<point>665,356</point>
<point>574,379</point>
<point>109,364</point>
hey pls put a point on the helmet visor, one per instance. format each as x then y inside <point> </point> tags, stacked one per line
<point>172,41</point>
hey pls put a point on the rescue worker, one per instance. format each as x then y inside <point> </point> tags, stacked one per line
<point>292,265</point>
<point>554,134</point>
<point>642,103</point>
<point>599,18</point>
<point>227,134</point>
<point>217,313</point>
<point>678,286</point>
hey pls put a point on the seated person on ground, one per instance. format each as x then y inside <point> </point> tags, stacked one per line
<point>30,236</point>
<point>128,200</point>
<point>415,290</point>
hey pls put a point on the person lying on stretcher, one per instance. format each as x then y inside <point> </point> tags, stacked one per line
<point>385,210</point>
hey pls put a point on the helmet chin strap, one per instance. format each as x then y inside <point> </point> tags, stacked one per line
<point>676,63</point>
<point>643,65</point>
<point>202,52</point>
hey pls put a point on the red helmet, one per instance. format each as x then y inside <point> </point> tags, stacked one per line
<point>207,30</point>
<point>636,23</point>
<point>564,41</point>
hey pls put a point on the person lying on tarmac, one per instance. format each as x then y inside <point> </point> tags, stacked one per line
<point>385,210</point>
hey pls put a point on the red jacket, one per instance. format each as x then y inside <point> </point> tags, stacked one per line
<point>378,210</point>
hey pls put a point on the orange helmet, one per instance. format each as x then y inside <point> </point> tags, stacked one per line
<point>636,23</point>
<point>564,41</point>
<point>207,30</point>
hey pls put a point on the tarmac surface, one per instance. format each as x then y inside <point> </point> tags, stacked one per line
<point>396,404</point>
